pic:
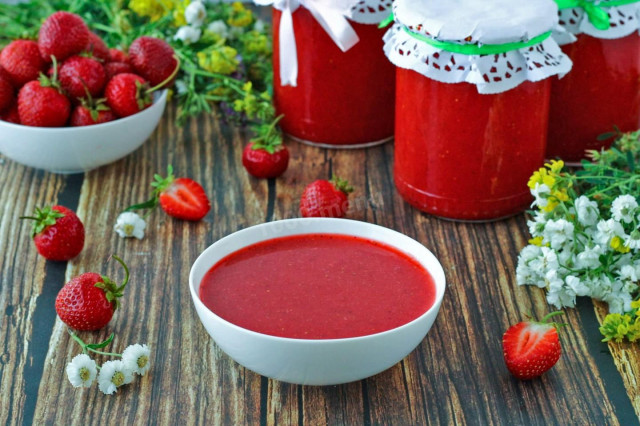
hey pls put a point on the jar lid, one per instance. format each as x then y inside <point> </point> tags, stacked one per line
<point>495,45</point>
<point>370,11</point>
<point>607,19</point>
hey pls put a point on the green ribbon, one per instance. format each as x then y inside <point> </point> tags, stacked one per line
<point>386,21</point>
<point>476,49</point>
<point>596,13</point>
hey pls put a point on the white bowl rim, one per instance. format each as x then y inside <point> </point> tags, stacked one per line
<point>437,275</point>
<point>157,99</point>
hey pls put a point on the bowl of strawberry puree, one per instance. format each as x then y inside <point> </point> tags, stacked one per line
<point>68,150</point>
<point>317,301</point>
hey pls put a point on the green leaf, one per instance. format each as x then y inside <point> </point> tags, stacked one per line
<point>101,344</point>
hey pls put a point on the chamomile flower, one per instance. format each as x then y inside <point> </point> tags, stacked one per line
<point>624,208</point>
<point>195,13</point>
<point>136,358</point>
<point>113,374</point>
<point>129,224</point>
<point>81,371</point>
<point>587,211</point>
<point>188,34</point>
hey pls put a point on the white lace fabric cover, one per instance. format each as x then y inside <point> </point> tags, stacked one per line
<point>480,22</point>
<point>370,11</point>
<point>623,20</point>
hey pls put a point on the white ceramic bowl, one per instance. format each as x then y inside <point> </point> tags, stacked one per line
<point>79,149</point>
<point>315,362</point>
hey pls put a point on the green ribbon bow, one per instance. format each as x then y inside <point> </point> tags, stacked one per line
<point>596,13</point>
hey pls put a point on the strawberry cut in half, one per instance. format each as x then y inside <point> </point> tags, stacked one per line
<point>323,198</point>
<point>182,198</point>
<point>57,232</point>
<point>88,301</point>
<point>531,348</point>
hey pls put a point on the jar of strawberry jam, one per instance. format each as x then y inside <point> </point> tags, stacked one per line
<point>332,82</point>
<point>472,99</point>
<point>603,90</point>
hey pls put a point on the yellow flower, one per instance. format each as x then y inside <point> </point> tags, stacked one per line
<point>219,59</point>
<point>256,42</point>
<point>151,9</point>
<point>537,241</point>
<point>240,17</point>
<point>555,166</point>
<point>636,305</point>
<point>542,177</point>
<point>178,7</point>
<point>617,244</point>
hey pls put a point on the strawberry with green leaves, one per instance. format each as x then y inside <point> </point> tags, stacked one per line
<point>91,112</point>
<point>57,232</point>
<point>41,103</point>
<point>265,161</point>
<point>323,198</point>
<point>531,348</point>
<point>88,301</point>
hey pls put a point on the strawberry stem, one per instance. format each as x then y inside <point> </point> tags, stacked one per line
<point>168,79</point>
<point>43,217</point>
<point>126,273</point>
<point>341,185</point>
<point>92,347</point>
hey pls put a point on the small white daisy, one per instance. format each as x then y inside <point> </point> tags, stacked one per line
<point>195,13</point>
<point>81,371</point>
<point>587,211</point>
<point>136,358</point>
<point>219,27</point>
<point>624,208</point>
<point>129,224</point>
<point>113,374</point>
<point>188,34</point>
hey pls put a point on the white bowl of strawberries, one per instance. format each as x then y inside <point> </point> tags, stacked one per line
<point>85,105</point>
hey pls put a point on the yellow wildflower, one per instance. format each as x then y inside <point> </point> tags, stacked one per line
<point>256,42</point>
<point>617,244</point>
<point>555,166</point>
<point>636,305</point>
<point>542,177</point>
<point>537,241</point>
<point>151,9</point>
<point>219,59</point>
<point>178,7</point>
<point>240,16</point>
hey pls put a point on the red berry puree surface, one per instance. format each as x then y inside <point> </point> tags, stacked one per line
<point>318,286</point>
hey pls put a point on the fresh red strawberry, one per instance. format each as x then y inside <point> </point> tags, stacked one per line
<point>182,198</point>
<point>91,112</point>
<point>531,348</point>
<point>41,104</point>
<point>80,74</point>
<point>265,161</point>
<point>323,198</point>
<point>88,301</point>
<point>154,60</point>
<point>57,233</point>
<point>21,60</point>
<point>11,115</point>
<point>118,55</point>
<point>97,48</point>
<point>127,94</point>
<point>114,68</point>
<point>62,35</point>
<point>7,93</point>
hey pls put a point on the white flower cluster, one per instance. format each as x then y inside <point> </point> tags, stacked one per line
<point>585,254</point>
<point>195,15</point>
<point>82,370</point>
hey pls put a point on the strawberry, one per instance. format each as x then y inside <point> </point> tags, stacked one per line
<point>182,198</point>
<point>127,94</point>
<point>11,115</point>
<point>91,112</point>
<point>21,61</point>
<point>41,104</point>
<point>114,68</point>
<point>265,161</point>
<point>323,198</point>
<point>88,301</point>
<point>118,55</point>
<point>80,74</point>
<point>62,35</point>
<point>97,48</point>
<point>531,348</point>
<point>57,233</point>
<point>154,60</point>
<point>7,93</point>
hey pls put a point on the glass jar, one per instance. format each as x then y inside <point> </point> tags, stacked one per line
<point>471,121</point>
<point>603,90</point>
<point>342,99</point>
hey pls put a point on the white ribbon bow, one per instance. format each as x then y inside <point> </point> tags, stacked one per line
<point>330,14</point>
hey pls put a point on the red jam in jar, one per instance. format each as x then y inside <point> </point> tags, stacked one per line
<point>464,155</point>
<point>342,99</point>
<point>602,91</point>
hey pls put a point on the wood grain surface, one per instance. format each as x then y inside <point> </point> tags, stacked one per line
<point>456,375</point>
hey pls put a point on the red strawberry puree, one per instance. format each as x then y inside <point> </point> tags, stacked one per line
<point>318,286</point>
<point>602,91</point>
<point>464,155</point>
<point>341,98</point>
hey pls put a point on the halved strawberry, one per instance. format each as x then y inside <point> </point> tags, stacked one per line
<point>531,348</point>
<point>182,198</point>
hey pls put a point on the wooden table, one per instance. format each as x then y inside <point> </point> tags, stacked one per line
<point>456,375</point>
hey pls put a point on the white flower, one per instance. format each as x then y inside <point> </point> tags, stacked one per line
<point>607,229</point>
<point>547,261</point>
<point>129,224</point>
<point>188,34</point>
<point>540,192</point>
<point>633,240</point>
<point>589,258</point>
<point>181,87</point>
<point>623,208</point>
<point>536,226</point>
<point>113,374</point>
<point>628,273</point>
<point>619,302</point>
<point>578,287</point>
<point>81,371</point>
<point>136,358</point>
<point>558,232</point>
<point>259,26</point>
<point>587,211</point>
<point>600,287</point>
<point>195,13</point>
<point>524,274</point>
<point>219,27</point>
<point>559,295</point>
